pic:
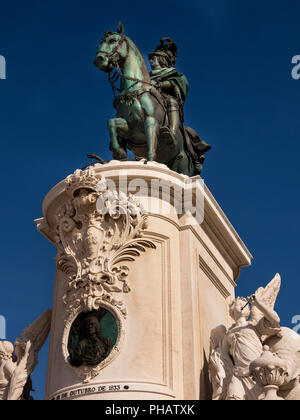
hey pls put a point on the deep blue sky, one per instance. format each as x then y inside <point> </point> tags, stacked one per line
<point>242,100</point>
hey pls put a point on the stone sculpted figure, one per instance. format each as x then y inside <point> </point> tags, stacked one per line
<point>287,347</point>
<point>256,358</point>
<point>233,351</point>
<point>16,365</point>
<point>7,367</point>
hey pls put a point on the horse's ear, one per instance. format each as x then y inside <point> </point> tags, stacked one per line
<point>120,28</point>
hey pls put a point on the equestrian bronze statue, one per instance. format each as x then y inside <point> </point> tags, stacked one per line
<point>149,106</point>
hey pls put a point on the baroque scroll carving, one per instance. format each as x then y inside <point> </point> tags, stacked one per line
<point>98,231</point>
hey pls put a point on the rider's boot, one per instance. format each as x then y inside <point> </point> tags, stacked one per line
<point>174,121</point>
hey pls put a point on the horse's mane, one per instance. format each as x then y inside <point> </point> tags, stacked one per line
<point>131,45</point>
<point>138,51</point>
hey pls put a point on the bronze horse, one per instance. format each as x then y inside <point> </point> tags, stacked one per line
<point>141,111</point>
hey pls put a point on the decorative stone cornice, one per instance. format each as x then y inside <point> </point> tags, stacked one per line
<point>216,225</point>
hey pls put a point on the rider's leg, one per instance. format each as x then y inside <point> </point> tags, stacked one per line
<point>169,132</point>
<point>117,126</point>
<point>173,115</point>
<point>151,131</point>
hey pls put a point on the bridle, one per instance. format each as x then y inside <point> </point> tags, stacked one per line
<point>113,55</point>
<point>113,58</point>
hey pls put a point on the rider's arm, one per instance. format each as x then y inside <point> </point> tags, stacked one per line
<point>9,368</point>
<point>166,86</point>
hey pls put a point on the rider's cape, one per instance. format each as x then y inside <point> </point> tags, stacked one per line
<point>194,145</point>
<point>178,80</point>
<point>196,148</point>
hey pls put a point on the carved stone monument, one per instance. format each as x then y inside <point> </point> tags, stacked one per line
<point>144,305</point>
<point>131,318</point>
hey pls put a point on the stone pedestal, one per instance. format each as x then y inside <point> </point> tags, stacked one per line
<point>165,279</point>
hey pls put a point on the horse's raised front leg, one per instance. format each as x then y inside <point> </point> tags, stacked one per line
<point>117,126</point>
<point>151,132</point>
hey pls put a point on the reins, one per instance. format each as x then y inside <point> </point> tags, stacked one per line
<point>113,78</point>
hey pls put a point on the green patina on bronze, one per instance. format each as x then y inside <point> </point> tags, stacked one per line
<point>149,107</point>
<point>92,337</point>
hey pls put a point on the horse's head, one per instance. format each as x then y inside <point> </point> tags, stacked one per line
<point>111,50</point>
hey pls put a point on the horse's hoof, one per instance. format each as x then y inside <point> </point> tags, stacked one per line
<point>151,159</point>
<point>120,154</point>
